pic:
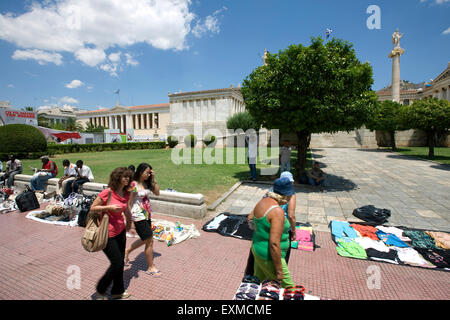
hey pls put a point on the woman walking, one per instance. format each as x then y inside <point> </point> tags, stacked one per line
<point>139,205</point>
<point>114,201</point>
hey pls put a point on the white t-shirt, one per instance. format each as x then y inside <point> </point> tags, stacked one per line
<point>86,172</point>
<point>412,257</point>
<point>367,243</point>
<point>1,166</point>
<point>70,170</point>
<point>285,153</point>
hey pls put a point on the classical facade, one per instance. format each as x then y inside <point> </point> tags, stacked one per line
<point>58,114</point>
<point>207,109</point>
<point>147,121</point>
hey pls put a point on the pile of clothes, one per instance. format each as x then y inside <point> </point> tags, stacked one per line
<point>7,200</point>
<point>304,238</point>
<point>396,245</point>
<point>230,225</point>
<point>251,288</point>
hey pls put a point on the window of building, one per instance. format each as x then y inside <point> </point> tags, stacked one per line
<point>157,120</point>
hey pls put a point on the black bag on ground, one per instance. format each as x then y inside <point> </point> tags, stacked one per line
<point>27,201</point>
<point>85,207</point>
<point>372,214</point>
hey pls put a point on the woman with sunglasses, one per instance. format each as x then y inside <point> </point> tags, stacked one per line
<point>139,205</point>
<point>271,236</point>
<point>114,201</point>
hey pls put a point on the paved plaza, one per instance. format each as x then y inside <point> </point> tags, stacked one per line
<point>39,260</point>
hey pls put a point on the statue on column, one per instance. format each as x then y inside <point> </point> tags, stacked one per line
<point>264,57</point>
<point>396,38</point>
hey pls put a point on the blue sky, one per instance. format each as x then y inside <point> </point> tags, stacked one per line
<point>79,52</point>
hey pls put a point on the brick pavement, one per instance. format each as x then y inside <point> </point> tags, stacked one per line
<point>36,256</point>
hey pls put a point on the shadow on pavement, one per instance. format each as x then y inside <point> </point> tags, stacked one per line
<point>376,150</point>
<point>338,183</point>
<point>445,167</point>
<point>137,264</point>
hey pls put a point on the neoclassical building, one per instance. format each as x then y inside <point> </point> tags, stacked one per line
<point>147,121</point>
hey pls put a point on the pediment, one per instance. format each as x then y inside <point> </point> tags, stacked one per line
<point>119,109</point>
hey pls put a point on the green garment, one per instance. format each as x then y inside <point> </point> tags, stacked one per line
<point>350,248</point>
<point>265,270</point>
<point>261,238</point>
<point>420,239</point>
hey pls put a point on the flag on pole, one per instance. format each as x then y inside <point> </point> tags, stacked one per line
<point>328,32</point>
<point>117,91</point>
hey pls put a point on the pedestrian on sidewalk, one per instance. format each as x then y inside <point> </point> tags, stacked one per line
<point>139,205</point>
<point>271,237</point>
<point>119,185</point>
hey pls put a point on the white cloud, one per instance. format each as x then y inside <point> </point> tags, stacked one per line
<point>68,100</point>
<point>74,84</point>
<point>211,24</point>
<point>436,1</point>
<point>446,31</point>
<point>40,56</point>
<point>130,60</point>
<point>111,68</point>
<point>10,86</point>
<point>115,57</point>
<point>89,28</point>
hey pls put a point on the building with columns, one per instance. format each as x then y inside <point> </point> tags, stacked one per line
<point>208,108</point>
<point>147,121</point>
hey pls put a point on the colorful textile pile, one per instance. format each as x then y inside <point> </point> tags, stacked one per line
<point>303,238</point>
<point>397,245</point>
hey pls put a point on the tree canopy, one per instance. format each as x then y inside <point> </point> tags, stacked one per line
<point>311,89</point>
<point>386,117</point>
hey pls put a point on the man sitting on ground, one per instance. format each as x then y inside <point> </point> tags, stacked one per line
<point>13,167</point>
<point>69,175</point>
<point>84,174</point>
<point>316,176</point>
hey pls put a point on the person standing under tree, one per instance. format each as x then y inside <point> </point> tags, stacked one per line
<point>285,157</point>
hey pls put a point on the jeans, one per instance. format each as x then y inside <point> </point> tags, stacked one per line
<point>10,178</point>
<point>314,183</point>
<point>69,189</point>
<point>115,251</point>
<point>285,167</point>
<point>37,182</point>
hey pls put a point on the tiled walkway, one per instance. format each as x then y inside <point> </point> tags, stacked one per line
<point>40,260</point>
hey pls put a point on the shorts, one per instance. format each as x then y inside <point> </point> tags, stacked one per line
<point>144,229</point>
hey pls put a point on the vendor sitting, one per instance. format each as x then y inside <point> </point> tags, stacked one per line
<point>84,174</point>
<point>13,167</point>
<point>49,170</point>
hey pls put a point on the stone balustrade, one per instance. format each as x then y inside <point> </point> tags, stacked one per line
<point>186,205</point>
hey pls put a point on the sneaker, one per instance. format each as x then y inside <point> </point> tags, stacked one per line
<point>99,296</point>
<point>124,295</point>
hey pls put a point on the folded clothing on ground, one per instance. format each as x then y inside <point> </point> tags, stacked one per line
<point>350,248</point>
<point>441,239</point>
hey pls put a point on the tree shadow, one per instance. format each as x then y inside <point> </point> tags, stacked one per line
<point>338,183</point>
<point>376,150</point>
<point>316,156</point>
<point>137,264</point>
<point>445,167</point>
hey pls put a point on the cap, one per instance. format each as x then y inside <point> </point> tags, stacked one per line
<point>287,174</point>
<point>283,186</point>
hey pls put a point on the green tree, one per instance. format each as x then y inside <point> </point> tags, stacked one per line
<point>91,128</point>
<point>313,89</point>
<point>385,117</point>
<point>430,115</point>
<point>28,108</point>
<point>242,120</point>
<point>73,125</point>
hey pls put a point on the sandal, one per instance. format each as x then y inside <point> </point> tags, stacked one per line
<point>155,274</point>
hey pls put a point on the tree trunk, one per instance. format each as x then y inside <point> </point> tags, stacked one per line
<point>302,146</point>
<point>393,146</point>
<point>430,138</point>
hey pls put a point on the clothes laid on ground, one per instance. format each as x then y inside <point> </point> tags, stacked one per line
<point>440,258</point>
<point>441,239</point>
<point>390,256</point>
<point>365,231</point>
<point>420,239</point>
<point>303,238</point>
<point>172,232</point>
<point>396,245</point>
<point>340,229</point>
<point>230,225</point>
<point>391,239</point>
<point>350,248</point>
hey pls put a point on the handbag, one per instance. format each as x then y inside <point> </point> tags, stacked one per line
<point>95,236</point>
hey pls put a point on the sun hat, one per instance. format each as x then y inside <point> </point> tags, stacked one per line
<point>287,174</point>
<point>283,186</point>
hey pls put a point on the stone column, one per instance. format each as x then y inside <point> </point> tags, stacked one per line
<point>148,120</point>
<point>395,55</point>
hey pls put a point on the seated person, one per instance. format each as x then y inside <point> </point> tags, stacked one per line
<point>84,174</point>
<point>13,167</point>
<point>316,176</point>
<point>49,170</point>
<point>69,175</point>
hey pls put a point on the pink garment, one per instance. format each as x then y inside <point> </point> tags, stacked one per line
<point>305,245</point>
<point>302,235</point>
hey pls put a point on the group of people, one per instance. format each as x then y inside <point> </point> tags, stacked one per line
<point>126,201</point>
<point>75,175</point>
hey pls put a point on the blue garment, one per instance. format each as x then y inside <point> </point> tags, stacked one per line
<point>37,181</point>
<point>314,183</point>
<point>391,239</point>
<point>340,229</point>
<point>285,208</point>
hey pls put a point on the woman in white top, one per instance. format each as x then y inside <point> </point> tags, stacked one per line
<point>139,205</point>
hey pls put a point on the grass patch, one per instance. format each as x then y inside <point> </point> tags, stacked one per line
<point>441,154</point>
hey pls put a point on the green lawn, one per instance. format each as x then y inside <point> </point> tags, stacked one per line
<point>212,180</point>
<point>441,154</point>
